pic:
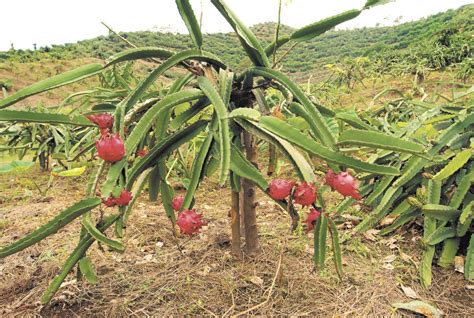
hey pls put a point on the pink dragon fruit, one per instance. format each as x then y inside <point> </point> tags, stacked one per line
<point>305,194</point>
<point>330,177</point>
<point>189,222</point>
<point>109,202</point>
<point>279,189</point>
<point>104,121</point>
<point>347,185</point>
<point>110,148</point>
<point>177,202</point>
<point>311,219</point>
<point>142,152</point>
<point>124,198</point>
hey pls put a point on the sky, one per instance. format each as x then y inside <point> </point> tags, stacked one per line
<point>46,22</point>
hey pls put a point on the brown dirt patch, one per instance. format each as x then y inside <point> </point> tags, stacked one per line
<point>153,277</point>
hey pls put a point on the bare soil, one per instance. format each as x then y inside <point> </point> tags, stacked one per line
<point>162,276</point>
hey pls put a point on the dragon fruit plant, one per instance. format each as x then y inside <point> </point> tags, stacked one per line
<point>436,189</point>
<point>238,117</point>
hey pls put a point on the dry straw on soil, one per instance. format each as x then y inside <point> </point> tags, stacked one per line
<point>154,277</point>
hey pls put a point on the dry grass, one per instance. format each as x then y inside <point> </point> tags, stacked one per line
<point>153,277</point>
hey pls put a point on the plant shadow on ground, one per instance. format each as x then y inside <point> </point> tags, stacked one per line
<point>153,277</point>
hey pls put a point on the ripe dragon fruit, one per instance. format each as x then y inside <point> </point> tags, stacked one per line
<point>142,152</point>
<point>124,198</point>
<point>177,202</point>
<point>109,202</point>
<point>110,148</point>
<point>347,185</point>
<point>104,121</point>
<point>330,177</point>
<point>280,188</point>
<point>305,194</point>
<point>189,222</point>
<point>311,219</point>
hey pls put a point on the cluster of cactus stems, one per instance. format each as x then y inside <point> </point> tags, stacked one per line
<point>436,186</point>
<point>240,117</point>
<point>46,135</point>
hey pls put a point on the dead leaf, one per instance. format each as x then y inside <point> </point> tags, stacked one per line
<point>148,257</point>
<point>388,266</point>
<point>352,218</point>
<point>409,292</point>
<point>389,258</point>
<point>387,220</point>
<point>370,235</point>
<point>341,226</point>
<point>389,241</point>
<point>256,281</point>
<point>459,264</point>
<point>69,282</point>
<point>470,287</point>
<point>205,271</point>
<point>406,257</point>
<point>420,307</point>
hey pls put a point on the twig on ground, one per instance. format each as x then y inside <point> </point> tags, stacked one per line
<point>231,308</point>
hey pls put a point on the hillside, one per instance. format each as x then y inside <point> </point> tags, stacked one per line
<point>304,59</point>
